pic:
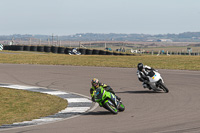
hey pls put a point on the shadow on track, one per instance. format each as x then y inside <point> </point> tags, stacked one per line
<point>99,113</point>
<point>140,92</point>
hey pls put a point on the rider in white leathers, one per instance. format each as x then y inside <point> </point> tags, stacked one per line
<point>142,73</point>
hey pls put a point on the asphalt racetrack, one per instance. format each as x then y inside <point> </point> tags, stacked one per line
<point>146,111</point>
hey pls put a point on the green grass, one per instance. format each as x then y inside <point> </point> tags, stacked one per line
<point>21,105</point>
<point>181,62</point>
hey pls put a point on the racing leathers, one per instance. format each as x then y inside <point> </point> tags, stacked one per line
<point>142,75</point>
<point>106,87</point>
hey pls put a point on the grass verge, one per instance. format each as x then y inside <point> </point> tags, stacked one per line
<point>181,62</point>
<point>21,105</point>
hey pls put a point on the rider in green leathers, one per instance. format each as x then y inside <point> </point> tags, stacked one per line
<point>96,84</point>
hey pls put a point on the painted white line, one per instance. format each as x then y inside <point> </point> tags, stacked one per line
<point>20,87</point>
<point>55,92</point>
<point>41,120</point>
<point>78,100</point>
<point>46,119</point>
<point>75,109</point>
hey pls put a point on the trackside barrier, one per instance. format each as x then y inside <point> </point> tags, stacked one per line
<point>47,49</point>
<point>89,51</point>
<point>60,50</point>
<point>54,49</point>
<point>33,48</point>
<point>27,48</point>
<point>172,53</point>
<point>40,48</point>
<point>95,52</point>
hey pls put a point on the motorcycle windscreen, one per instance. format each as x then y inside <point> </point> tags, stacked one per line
<point>155,77</point>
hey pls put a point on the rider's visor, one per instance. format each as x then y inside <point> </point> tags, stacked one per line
<point>95,84</point>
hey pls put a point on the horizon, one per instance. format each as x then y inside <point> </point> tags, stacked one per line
<point>102,33</point>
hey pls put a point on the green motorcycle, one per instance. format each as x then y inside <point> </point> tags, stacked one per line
<point>108,100</point>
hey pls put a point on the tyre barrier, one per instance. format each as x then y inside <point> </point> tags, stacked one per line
<point>54,49</point>
<point>7,47</point>
<point>102,52</point>
<point>12,47</point>
<point>18,48</point>
<point>88,51</point>
<point>40,48</point>
<point>82,51</point>
<point>129,54</point>
<point>33,48</point>
<point>27,48</point>
<point>67,50</point>
<point>115,53</point>
<point>109,53</point>
<point>61,50</point>
<point>47,49</point>
<point>122,54</point>
<point>95,52</point>
<point>64,50</point>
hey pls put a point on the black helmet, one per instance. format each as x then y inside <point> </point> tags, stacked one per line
<point>140,66</point>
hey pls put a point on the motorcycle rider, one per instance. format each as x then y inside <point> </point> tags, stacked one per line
<point>143,72</point>
<point>96,84</point>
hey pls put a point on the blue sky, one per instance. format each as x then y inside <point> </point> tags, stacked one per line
<point>68,17</point>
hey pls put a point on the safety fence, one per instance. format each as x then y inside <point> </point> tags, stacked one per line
<point>172,53</point>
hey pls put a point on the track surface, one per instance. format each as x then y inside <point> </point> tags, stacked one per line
<point>146,112</point>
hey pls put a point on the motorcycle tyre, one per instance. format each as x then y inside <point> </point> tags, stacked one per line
<point>107,106</point>
<point>165,89</point>
<point>121,109</point>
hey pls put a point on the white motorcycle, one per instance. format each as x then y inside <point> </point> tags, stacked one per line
<point>74,51</point>
<point>156,82</point>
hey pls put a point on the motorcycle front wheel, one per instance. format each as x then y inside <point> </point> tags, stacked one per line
<point>121,107</point>
<point>111,107</point>
<point>165,89</point>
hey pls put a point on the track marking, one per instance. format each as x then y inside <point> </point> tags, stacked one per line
<point>69,112</point>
